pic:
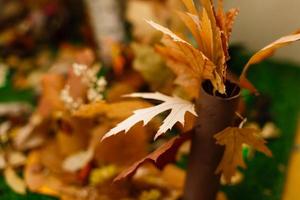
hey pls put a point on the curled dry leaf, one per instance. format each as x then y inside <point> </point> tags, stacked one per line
<point>177,106</point>
<point>225,21</point>
<point>233,138</point>
<point>160,157</point>
<point>14,181</point>
<point>263,54</point>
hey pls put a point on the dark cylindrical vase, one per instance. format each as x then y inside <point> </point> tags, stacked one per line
<point>215,113</point>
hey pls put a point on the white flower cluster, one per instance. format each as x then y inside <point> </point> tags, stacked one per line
<point>96,86</point>
<point>95,92</point>
<point>79,69</point>
<point>68,100</point>
<point>3,73</point>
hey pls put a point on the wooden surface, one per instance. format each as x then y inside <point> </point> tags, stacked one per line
<point>292,187</point>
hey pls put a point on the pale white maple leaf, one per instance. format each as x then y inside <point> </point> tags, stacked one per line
<point>177,106</point>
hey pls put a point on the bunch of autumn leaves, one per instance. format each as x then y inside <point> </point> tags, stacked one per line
<point>211,29</point>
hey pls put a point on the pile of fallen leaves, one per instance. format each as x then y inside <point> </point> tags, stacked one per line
<point>70,145</point>
<point>59,148</point>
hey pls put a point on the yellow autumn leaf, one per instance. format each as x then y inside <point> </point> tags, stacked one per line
<point>233,138</point>
<point>14,181</point>
<point>264,53</point>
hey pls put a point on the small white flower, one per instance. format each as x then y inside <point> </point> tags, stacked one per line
<point>65,95</point>
<point>68,100</point>
<point>93,95</point>
<point>101,84</point>
<point>91,74</point>
<point>79,69</point>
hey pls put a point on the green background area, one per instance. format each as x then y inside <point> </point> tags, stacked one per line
<point>264,177</point>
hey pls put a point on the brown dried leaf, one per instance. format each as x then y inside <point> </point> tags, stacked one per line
<point>225,23</point>
<point>230,18</point>
<point>219,52</point>
<point>160,157</point>
<point>233,138</point>
<point>263,54</point>
<point>226,20</point>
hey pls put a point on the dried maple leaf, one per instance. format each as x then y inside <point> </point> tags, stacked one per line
<point>160,157</point>
<point>177,106</point>
<point>265,53</point>
<point>233,138</point>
